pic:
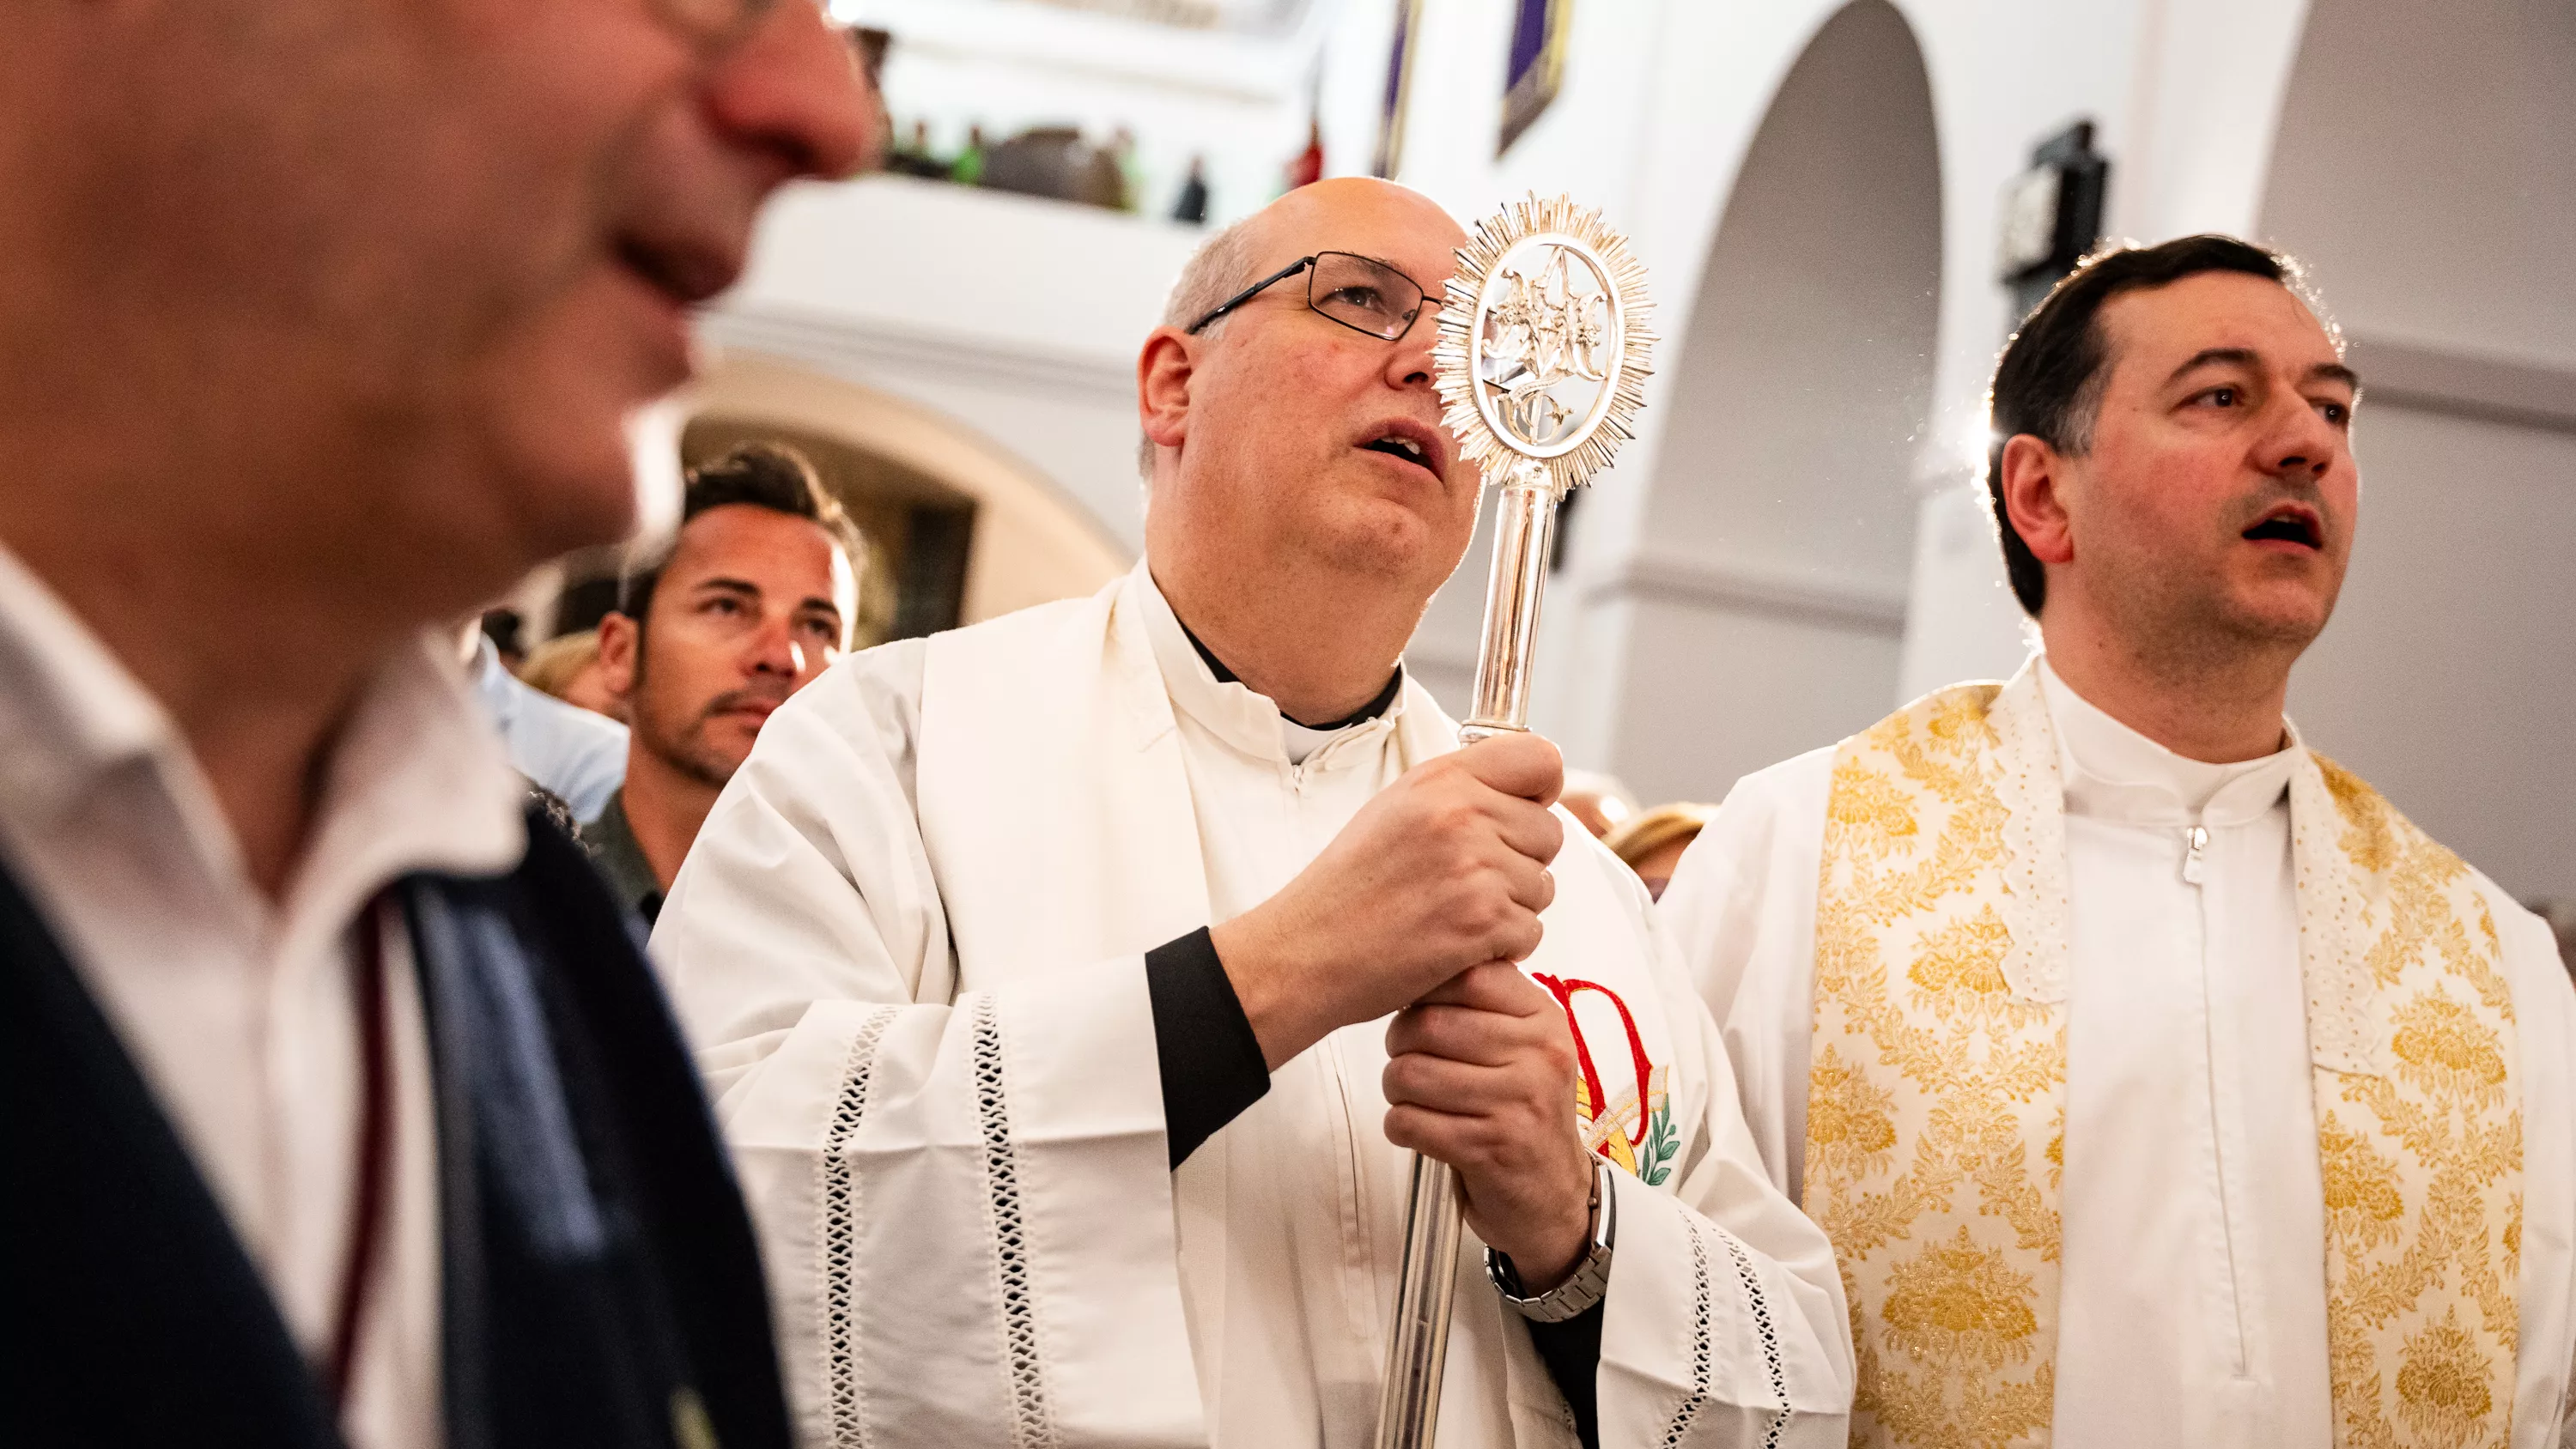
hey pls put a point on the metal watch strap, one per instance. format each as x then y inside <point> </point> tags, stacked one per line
<point>1588,1283</point>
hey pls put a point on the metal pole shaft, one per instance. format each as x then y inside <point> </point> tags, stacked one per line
<point>1427,1279</point>
<point>1524,536</point>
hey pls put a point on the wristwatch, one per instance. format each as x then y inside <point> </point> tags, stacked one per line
<point>1590,1280</point>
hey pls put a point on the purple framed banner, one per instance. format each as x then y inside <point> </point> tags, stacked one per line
<point>1537,66</point>
<point>1399,86</point>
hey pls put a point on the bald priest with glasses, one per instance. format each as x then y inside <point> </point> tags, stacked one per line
<point>1057,977</point>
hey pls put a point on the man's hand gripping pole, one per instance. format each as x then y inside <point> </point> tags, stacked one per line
<point>1542,365</point>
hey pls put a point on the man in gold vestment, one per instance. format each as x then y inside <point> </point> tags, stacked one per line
<point>2157,1082</point>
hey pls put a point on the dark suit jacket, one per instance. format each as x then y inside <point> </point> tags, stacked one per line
<point>600,1284</point>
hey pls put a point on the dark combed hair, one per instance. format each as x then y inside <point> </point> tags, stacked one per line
<point>764,475</point>
<point>2049,381</point>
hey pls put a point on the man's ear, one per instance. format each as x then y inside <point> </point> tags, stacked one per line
<point>2034,479</point>
<point>1163,373</point>
<point>618,638</point>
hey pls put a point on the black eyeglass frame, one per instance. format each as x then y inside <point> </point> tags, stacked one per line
<point>1421,295</point>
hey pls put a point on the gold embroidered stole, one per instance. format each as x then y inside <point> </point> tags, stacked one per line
<point>1936,1115</point>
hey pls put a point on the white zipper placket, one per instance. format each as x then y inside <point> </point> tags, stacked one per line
<point>2224,1058</point>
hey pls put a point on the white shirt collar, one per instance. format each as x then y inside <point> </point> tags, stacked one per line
<point>416,780</point>
<point>1230,710</point>
<point>2111,771</point>
<point>68,709</point>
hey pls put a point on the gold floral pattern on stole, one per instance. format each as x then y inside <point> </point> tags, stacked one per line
<point>1936,1127</point>
<point>2423,1165</point>
<point>1934,1095</point>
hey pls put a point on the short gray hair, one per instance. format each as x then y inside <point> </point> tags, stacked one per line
<point>1221,267</point>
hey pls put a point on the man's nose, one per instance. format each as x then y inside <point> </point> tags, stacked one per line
<point>2300,443</point>
<point>796,88</point>
<point>773,649</point>
<point>1409,363</point>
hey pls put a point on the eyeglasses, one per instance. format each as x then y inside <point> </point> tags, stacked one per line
<point>1361,294</point>
<point>714,24</point>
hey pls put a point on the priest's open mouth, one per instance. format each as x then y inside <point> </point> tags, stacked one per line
<point>2296,524</point>
<point>1412,442</point>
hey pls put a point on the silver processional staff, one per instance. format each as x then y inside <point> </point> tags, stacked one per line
<point>1542,368</point>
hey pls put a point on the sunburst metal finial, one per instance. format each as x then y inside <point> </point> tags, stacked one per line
<point>1544,345</point>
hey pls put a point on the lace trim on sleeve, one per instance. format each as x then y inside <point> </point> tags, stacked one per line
<point>1703,1333</point>
<point>1032,1415</point>
<point>1703,1353</point>
<point>838,1191</point>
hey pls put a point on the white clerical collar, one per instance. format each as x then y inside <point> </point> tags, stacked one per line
<point>2113,772</point>
<point>1232,711</point>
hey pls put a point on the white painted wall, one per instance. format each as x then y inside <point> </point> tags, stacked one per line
<point>2448,678</point>
<point>2426,166</point>
<point>2424,169</point>
<point>1018,318</point>
<point>1764,585</point>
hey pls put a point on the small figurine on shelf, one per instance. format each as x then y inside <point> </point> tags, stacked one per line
<point>1308,168</point>
<point>968,168</point>
<point>1193,205</point>
<point>1131,172</point>
<point>913,157</point>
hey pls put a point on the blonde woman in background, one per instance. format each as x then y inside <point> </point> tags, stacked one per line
<point>1652,843</point>
<point>567,667</point>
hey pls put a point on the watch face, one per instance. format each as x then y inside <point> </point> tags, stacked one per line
<point>2029,231</point>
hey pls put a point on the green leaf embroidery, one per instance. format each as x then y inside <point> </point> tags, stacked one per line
<point>1655,1159</point>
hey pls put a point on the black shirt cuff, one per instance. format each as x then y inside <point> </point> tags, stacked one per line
<point>1571,1349</point>
<point>1211,1062</point>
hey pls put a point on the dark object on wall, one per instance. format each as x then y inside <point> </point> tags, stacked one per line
<point>585,602</point>
<point>1055,161</point>
<point>1193,205</point>
<point>1399,89</point>
<point>872,44</point>
<point>931,595</point>
<point>2052,216</point>
<point>508,633</point>
<point>1536,70</point>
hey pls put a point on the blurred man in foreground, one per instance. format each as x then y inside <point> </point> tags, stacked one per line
<point>750,601</point>
<point>1083,974</point>
<point>339,1108</point>
<point>2157,1081</point>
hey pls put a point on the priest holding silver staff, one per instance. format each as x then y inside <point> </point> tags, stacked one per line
<point>1075,987</point>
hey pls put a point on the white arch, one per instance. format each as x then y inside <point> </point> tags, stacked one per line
<point>1032,543</point>
<point>1762,544</point>
<point>2422,169</point>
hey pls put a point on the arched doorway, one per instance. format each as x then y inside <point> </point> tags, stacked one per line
<point>1763,604</point>
<point>1030,543</point>
<point>958,529</point>
<point>2423,171</point>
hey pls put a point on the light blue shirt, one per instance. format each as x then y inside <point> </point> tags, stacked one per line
<point>578,755</point>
